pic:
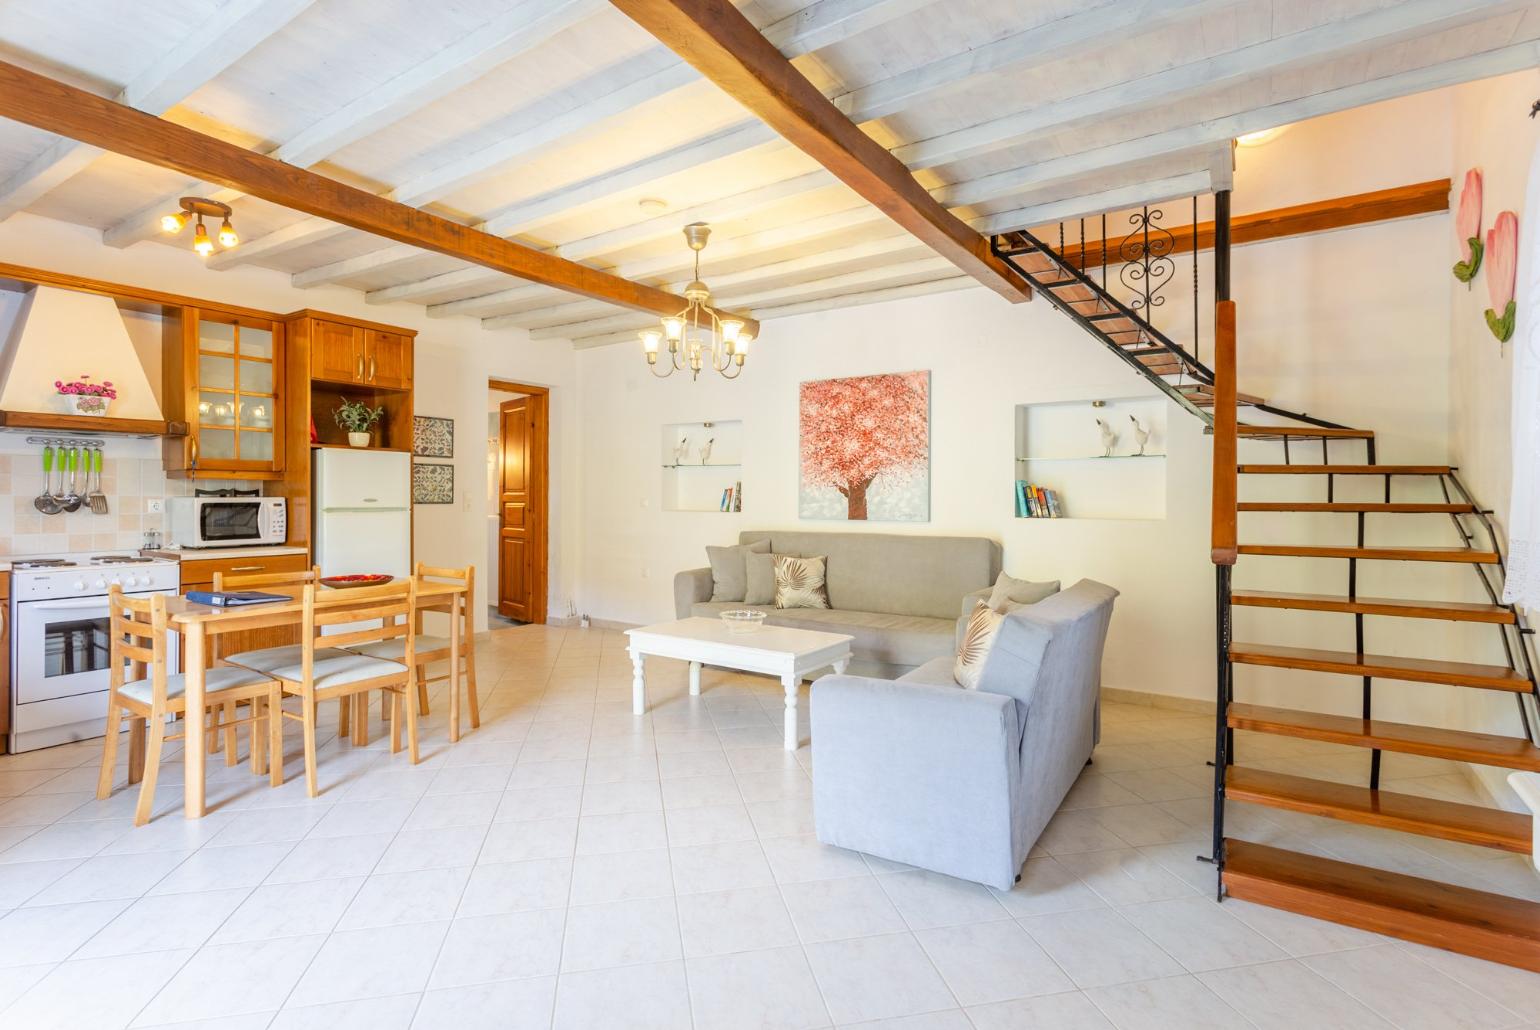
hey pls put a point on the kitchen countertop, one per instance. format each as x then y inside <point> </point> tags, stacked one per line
<point>205,553</point>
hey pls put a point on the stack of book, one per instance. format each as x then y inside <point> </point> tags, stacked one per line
<point>1034,502</point>
<point>732,498</point>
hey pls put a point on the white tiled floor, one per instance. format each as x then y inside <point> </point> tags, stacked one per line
<point>570,865</point>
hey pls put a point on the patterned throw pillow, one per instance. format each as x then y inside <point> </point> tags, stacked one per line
<point>978,638</point>
<point>799,582</point>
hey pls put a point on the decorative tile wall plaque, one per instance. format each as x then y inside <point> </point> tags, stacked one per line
<point>433,484</point>
<point>433,437</point>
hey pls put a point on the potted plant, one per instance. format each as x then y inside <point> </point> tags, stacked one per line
<point>358,419</point>
<point>83,397</point>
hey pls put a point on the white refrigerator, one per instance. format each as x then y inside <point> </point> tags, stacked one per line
<point>363,511</point>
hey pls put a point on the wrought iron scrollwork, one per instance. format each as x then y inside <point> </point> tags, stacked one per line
<point>1147,264</point>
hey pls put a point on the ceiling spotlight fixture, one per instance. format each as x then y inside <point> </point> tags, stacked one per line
<point>652,205</point>
<point>696,335</point>
<point>196,209</point>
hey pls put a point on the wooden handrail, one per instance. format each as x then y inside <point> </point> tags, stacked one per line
<point>1223,541</point>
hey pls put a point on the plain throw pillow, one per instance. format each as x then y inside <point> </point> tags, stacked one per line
<point>799,582</point>
<point>1010,590</point>
<point>729,578</point>
<point>760,569</point>
<point>978,638</point>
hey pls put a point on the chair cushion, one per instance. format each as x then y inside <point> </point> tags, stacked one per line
<point>339,669</point>
<point>270,658</point>
<point>214,680</point>
<point>935,673</point>
<point>395,648</point>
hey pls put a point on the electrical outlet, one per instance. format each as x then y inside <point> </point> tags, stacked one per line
<point>154,505</point>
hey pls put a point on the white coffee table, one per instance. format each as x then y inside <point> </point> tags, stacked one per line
<point>788,654</point>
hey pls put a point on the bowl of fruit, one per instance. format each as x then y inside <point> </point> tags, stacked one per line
<point>361,579</point>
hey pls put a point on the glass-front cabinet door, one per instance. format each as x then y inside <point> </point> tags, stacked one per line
<point>236,419</point>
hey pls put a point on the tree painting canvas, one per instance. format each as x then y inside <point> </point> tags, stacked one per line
<point>865,448</point>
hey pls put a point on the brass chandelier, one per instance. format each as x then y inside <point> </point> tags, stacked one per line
<point>696,336</point>
<point>196,209</point>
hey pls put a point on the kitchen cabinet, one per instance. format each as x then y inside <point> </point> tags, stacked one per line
<point>359,355</point>
<point>224,378</point>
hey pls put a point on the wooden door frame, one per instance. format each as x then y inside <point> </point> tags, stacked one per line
<point>540,489</point>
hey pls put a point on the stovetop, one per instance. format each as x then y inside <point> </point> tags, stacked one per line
<point>90,573</point>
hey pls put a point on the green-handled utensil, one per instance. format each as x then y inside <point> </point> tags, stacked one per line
<point>73,500</point>
<point>44,502</point>
<point>97,500</point>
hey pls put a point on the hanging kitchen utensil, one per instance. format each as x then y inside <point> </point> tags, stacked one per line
<point>73,499</point>
<point>44,502</point>
<point>98,499</point>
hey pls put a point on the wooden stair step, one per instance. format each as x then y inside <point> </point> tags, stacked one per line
<point>1344,470</point>
<point>1203,397</point>
<point>1472,922</point>
<point>1413,670</point>
<point>1452,611</point>
<point>1388,507</point>
<point>1404,738</point>
<point>1306,431</point>
<point>1430,817</point>
<point>1469,555</point>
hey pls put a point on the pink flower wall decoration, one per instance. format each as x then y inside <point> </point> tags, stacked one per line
<point>1502,265</point>
<point>865,448</point>
<point>1467,228</point>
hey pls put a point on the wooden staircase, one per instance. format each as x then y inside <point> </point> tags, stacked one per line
<point>1460,918</point>
<point>1456,917</point>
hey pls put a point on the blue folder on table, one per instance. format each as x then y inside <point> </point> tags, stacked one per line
<point>234,598</point>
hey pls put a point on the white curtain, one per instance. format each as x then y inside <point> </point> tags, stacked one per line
<point>1523,580</point>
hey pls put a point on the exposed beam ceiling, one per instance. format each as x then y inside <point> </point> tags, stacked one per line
<point>725,47</point>
<point>822,24</point>
<point>227,35</point>
<point>518,30</point>
<point>57,107</point>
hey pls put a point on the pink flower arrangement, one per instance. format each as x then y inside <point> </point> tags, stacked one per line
<point>85,388</point>
<point>1467,228</point>
<point>1502,266</point>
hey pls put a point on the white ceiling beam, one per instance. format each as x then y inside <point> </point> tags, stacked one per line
<point>945,284</point>
<point>886,275</point>
<point>824,23</point>
<point>511,33</point>
<point>223,38</point>
<point>1218,130</point>
<point>1157,192</point>
<point>723,249</point>
<point>1359,34</point>
<point>1057,40</point>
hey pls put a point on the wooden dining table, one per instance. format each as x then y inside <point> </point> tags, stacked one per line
<point>200,623</point>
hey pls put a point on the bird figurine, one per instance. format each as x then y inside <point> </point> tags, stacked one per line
<point>1140,433</point>
<point>681,449</point>
<point>705,452</point>
<point>1109,438</point>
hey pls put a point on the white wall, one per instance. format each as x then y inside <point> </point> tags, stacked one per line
<point>1491,132</point>
<point>454,359</point>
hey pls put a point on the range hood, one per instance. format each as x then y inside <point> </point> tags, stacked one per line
<point>59,334</point>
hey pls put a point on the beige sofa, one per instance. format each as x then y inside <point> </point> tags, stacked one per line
<point>898,595</point>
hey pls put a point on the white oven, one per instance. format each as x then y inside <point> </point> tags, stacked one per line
<point>61,647</point>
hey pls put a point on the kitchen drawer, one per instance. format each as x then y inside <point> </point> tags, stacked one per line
<point>199,572</point>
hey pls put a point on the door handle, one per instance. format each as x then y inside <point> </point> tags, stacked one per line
<point>360,373</point>
<point>371,370</point>
<point>194,460</point>
<point>247,568</point>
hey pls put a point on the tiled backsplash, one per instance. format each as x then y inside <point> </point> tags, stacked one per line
<point>128,483</point>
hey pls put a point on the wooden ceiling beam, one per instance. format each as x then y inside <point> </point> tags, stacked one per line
<point>78,114</point>
<point>724,46</point>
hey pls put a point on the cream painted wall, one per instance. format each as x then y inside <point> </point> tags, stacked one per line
<point>454,359</point>
<point>1491,132</point>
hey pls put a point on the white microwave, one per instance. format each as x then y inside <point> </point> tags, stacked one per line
<point>226,521</point>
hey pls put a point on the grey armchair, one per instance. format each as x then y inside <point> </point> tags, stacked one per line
<point>919,770</point>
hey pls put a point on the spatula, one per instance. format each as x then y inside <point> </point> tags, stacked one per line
<point>98,499</point>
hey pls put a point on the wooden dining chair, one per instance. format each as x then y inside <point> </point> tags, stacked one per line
<point>152,695</point>
<point>325,671</point>
<point>437,648</point>
<point>283,653</point>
